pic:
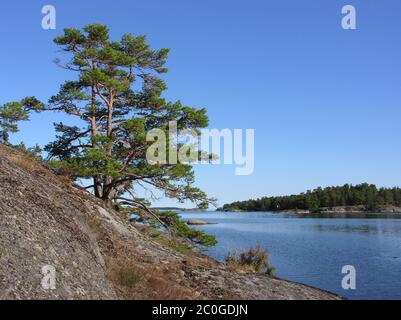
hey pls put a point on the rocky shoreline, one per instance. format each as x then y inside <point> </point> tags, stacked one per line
<point>99,254</point>
<point>198,222</point>
<point>329,212</point>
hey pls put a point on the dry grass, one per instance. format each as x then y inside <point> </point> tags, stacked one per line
<point>24,161</point>
<point>234,266</point>
<point>209,262</point>
<point>252,260</point>
<point>135,280</point>
<point>189,261</point>
<point>30,163</point>
<point>94,226</point>
<point>62,171</point>
<point>65,179</point>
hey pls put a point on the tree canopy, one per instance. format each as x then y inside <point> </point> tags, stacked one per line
<point>366,195</point>
<point>13,112</point>
<point>118,93</point>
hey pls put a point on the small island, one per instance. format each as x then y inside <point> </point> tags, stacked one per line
<point>347,199</point>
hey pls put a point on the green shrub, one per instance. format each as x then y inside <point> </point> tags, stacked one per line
<point>128,277</point>
<point>34,152</point>
<point>254,259</point>
<point>176,244</point>
<point>180,228</point>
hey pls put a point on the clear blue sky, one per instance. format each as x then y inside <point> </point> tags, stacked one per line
<point>325,103</point>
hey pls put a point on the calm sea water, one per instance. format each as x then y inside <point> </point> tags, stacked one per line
<point>314,250</point>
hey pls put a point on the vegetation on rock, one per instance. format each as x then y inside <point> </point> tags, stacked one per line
<point>254,259</point>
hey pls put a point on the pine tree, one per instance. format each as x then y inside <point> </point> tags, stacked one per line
<point>12,113</point>
<point>111,148</point>
<point>117,96</point>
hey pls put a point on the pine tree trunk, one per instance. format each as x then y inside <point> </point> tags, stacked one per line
<point>108,200</point>
<point>109,149</point>
<point>96,179</point>
<point>109,203</point>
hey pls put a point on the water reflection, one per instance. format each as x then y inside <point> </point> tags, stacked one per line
<point>371,229</point>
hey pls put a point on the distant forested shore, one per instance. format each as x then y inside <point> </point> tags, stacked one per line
<point>359,198</point>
